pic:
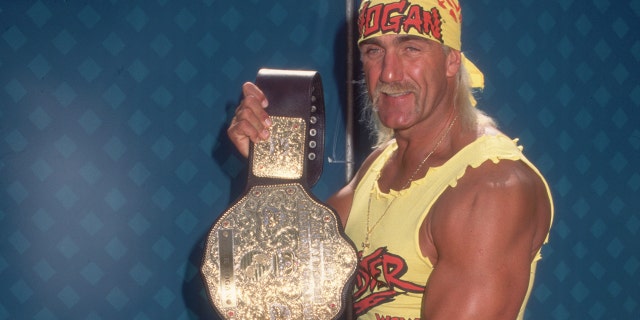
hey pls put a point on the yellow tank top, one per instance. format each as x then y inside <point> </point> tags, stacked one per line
<point>392,272</point>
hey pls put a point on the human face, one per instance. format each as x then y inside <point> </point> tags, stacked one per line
<point>408,78</point>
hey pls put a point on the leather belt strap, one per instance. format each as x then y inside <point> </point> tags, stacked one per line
<point>295,98</point>
<point>278,252</point>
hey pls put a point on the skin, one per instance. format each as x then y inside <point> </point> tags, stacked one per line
<point>482,235</point>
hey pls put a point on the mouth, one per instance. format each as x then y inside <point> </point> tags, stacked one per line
<point>395,89</point>
<point>392,93</point>
<point>389,99</point>
<point>396,94</point>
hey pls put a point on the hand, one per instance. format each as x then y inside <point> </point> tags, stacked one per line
<point>251,122</point>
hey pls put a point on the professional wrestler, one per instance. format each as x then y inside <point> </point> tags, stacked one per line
<point>448,215</point>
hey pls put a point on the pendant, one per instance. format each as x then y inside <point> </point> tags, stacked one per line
<point>365,245</point>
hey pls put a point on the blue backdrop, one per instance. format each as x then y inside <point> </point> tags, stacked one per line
<point>114,160</point>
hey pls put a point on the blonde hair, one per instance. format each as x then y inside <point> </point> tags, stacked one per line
<point>469,116</point>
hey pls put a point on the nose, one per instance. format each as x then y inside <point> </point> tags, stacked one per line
<point>391,68</point>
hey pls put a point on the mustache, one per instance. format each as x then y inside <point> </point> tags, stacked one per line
<point>395,88</point>
<point>391,88</point>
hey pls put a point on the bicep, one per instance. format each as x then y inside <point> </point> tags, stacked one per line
<point>483,243</point>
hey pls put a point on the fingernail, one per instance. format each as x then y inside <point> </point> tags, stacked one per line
<point>268,122</point>
<point>264,134</point>
<point>265,103</point>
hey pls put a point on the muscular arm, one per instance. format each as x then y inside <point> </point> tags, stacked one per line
<point>486,232</point>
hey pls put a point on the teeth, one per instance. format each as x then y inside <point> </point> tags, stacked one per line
<point>397,94</point>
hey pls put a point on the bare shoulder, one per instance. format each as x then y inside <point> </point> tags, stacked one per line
<point>506,175</point>
<point>502,203</point>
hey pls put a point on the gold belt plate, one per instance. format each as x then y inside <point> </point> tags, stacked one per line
<point>282,155</point>
<point>277,254</point>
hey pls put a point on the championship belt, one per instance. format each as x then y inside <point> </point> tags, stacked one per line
<point>277,252</point>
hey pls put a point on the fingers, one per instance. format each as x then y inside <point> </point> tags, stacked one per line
<point>249,89</point>
<point>251,122</point>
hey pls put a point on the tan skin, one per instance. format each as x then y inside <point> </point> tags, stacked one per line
<point>482,235</point>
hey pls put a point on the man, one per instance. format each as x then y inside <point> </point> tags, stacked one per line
<point>448,215</point>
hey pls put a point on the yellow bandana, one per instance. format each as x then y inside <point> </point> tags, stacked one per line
<point>437,20</point>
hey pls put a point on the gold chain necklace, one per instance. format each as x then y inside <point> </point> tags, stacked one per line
<point>366,243</point>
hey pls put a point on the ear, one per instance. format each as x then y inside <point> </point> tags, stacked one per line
<point>454,59</point>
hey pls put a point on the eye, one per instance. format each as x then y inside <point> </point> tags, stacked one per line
<point>411,48</point>
<point>372,51</point>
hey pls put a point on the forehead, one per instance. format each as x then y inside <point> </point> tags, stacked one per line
<point>397,39</point>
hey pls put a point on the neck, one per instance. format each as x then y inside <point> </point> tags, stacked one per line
<point>416,145</point>
<point>413,158</point>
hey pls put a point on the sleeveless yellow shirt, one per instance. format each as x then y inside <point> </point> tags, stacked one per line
<point>392,272</point>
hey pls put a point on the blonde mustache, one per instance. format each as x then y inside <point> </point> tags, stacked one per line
<point>390,89</point>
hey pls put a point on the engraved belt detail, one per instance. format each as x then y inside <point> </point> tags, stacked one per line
<point>282,155</point>
<point>292,264</point>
